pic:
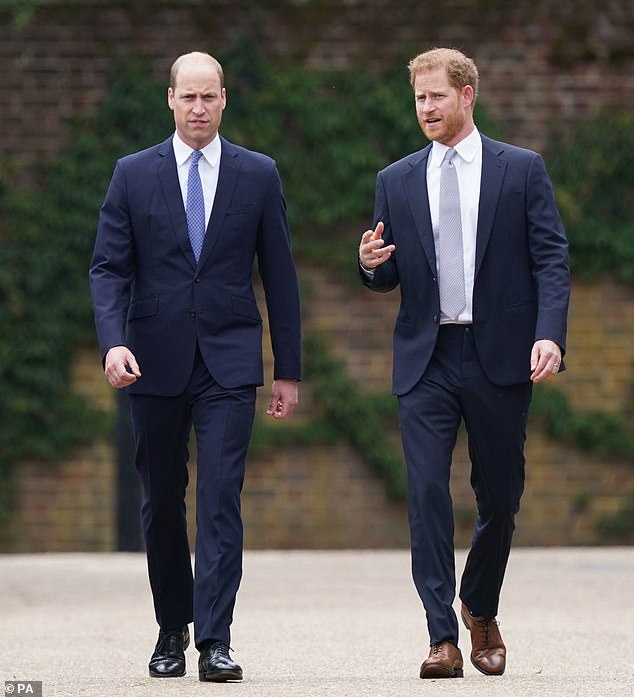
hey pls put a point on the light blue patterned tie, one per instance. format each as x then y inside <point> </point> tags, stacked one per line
<point>451,254</point>
<point>195,207</point>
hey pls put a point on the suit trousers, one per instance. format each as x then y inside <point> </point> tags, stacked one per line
<point>453,388</point>
<point>223,421</point>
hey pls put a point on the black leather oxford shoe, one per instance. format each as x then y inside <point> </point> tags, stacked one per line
<point>168,659</point>
<point>215,665</point>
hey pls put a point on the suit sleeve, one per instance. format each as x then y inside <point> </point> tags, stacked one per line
<point>549,256</point>
<point>112,265</point>
<point>279,279</point>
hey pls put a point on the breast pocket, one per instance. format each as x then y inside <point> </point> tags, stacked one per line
<point>511,198</point>
<point>242,209</point>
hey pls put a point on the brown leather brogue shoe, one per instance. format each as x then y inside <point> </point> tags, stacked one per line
<point>488,653</point>
<point>444,661</point>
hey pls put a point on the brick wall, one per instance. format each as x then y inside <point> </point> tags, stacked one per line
<point>567,490</point>
<point>542,63</point>
<point>327,497</point>
<point>70,506</point>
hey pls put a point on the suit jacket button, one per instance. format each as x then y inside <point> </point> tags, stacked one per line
<point>197,280</point>
<point>192,313</point>
<point>435,318</point>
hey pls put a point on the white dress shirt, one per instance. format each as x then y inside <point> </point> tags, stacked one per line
<point>208,168</point>
<point>468,165</point>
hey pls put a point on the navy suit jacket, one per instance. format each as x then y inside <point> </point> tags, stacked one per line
<point>150,295</point>
<point>522,280</point>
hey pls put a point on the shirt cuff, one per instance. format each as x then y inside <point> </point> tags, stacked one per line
<point>368,273</point>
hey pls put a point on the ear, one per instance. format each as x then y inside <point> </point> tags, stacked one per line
<point>467,96</point>
<point>170,98</point>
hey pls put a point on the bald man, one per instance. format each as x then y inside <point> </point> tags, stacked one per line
<point>180,331</point>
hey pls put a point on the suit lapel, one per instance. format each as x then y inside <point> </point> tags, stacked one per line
<point>168,176</point>
<point>227,177</point>
<point>415,183</point>
<point>493,169</point>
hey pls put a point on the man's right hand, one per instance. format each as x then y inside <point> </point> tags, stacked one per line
<point>121,367</point>
<point>372,252</point>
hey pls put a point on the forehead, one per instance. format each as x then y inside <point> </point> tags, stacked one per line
<point>432,81</point>
<point>197,75</point>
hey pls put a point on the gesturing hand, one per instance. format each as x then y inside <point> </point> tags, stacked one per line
<point>372,251</point>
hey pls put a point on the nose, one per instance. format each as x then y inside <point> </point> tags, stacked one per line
<point>198,106</point>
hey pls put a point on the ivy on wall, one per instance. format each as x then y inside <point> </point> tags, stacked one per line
<point>593,172</point>
<point>602,433</point>
<point>44,310</point>
<point>20,12</point>
<point>46,239</point>
<point>345,412</point>
<point>341,412</point>
<point>329,132</point>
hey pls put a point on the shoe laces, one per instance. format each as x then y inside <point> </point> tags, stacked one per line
<point>436,648</point>
<point>171,642</point>
<point>221,649</point>
<point>484,627</point>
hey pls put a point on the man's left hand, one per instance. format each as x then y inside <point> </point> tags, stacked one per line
<point>545,360</point>
<point>284,397</point>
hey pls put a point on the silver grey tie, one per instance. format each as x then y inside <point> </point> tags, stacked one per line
<point>450,252</point>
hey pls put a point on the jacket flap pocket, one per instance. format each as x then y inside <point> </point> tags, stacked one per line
<point>143,308</point>
<point>245,307</point>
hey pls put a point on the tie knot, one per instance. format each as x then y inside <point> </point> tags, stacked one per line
<point>449,155</point>
<point>196,155</point>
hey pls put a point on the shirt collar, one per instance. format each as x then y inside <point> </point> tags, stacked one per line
<point>467,148</point>
<point>210,152</point>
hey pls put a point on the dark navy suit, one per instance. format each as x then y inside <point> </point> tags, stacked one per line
<point>479,373</point>
<point>196,332</point>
